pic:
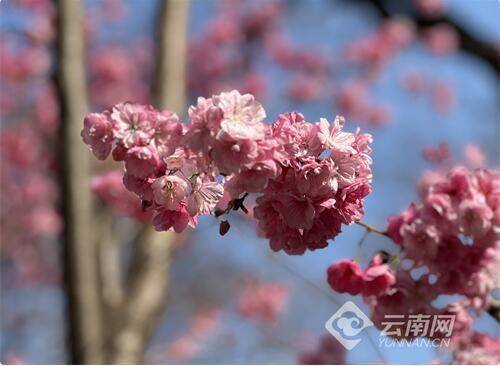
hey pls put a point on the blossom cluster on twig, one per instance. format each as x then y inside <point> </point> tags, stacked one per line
<point>311,177</point>
<point>450,245</point>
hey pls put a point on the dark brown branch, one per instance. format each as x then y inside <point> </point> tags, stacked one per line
<point>494,310</point>
<point>80,256</point>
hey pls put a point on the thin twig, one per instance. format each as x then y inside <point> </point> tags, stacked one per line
<point>372,229</point>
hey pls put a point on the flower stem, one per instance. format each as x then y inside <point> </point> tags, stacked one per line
<point>372,229</point>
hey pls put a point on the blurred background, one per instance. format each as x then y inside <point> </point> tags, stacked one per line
<point>421,76</point>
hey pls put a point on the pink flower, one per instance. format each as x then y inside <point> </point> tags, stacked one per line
<point>141,187</point>
<point>294,135</point>
<point>332,137</point>
<point>110,189</point>
<point>134,124</point>
<point>253,179</point>
<point>170,190</point>
<point>421,239</point>
<point>451,236</point>
<point>346,167</point>
<point>317,179</point>
<point>346,276</point>
<point>474,216</point>
<point>396,222</point>
<point>313,194</point>
<point>204,197</point>
<point>98,134</point>
<point>243,115</point>
<point>298,212</point>
<point>178,220</point>
<point>350,201</point>
<point>378,278</point>
<point>231,155</point>
<point>205,120</point>
<point>142,161</point>
<point>312,177</point>
<point>294,221</point>
<point>168,133</point>
<point>476,348</point>
<point>119,152</point>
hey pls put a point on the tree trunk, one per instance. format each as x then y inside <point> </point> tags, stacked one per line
<point>80,256</point>
<point>147,292</point>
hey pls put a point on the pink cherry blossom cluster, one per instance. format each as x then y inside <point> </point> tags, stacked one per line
<point>111,191</point>
<point>312,177</point>
<point>224,55</point>
<point>323,179</point>
<point>114,77</point>
<point>439,92</point>
<point>28,231</point>
<point>450,245</point>
<point>477,348</point>
<point>347,276</point>
<point>472,156</point>
<point>454,233</point>
<point>29,217</point>
<point>388,40</point>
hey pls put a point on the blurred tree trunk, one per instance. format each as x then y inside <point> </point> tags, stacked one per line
<point>92,264</point>
<point>146,294</point>
<point>170,87</point>
<point>80,256</point>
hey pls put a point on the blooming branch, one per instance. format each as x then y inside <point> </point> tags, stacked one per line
<point>310,177</point>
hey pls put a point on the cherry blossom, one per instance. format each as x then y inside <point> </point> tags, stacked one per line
<point>110,189</point>
<point>310,178</point>
<point>477,348</point>
<point>452,237</point>
<point>347,276</point>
